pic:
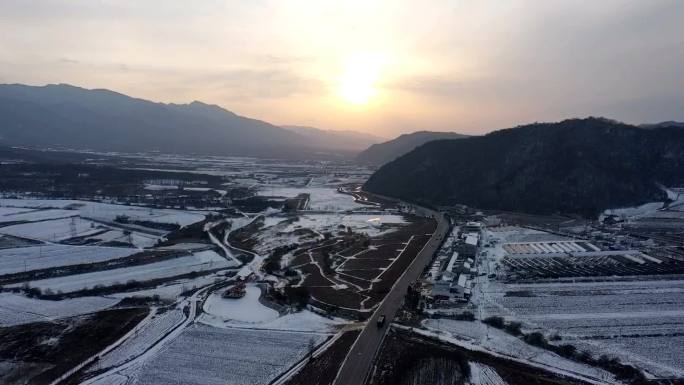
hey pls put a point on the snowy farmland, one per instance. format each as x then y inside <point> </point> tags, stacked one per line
<point>10,214</point>
<point>498,341</point>
<point>137,239</point>
<point>362,223</point>
<point>205,260</point>
<point>16,309</point>
<point>206,355</point>
<point>547,247</point>
<point>143,339</point>
<point>53,230</point>
<point>249,312</point>
<point>320,198</point>
<point>282,231</point>
<point>108,211</point>
<point>172,290</point>
<point>247,309</point>
<point>630,319</point>
<point>481,374</point>
<point>22,259</point>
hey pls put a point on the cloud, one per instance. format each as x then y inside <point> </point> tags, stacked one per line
<point>475,63</point>
<point>246,84</point>
<point>67,60</point>
<point>284,59</point>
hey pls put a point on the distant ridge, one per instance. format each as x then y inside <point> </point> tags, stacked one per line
<point>669,123</point>
<point>574,166</point>
<point>334,139</point>
<point>382,153</point>
<point>65,116</point>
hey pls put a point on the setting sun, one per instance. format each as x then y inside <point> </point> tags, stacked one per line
<point>357,84</point>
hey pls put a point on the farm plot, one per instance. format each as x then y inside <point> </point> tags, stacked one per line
<point>371,225</point>
<point>338,274</point>
<point>206,355</point>
<point>16,309</point>
<point>501,342</point>
<point>520,235</point>
<point>320,198</point>
<point>198,262</point>
<point>633,320</point>
<point>58,346</point>
<point>12,211</point>
<point>113,236</point>
<point>549,247</point>
<point>142,340</point>
<point>10,242</point>
<point>24,259</point>
<point>481,374</point>
<point>264,239</point>
<point>611,325</point>
<point>172,290</point>
<point>661,356</point>
<point>54,230</point>
<point>598,264</point>
<point>591,297</point>
<point>108,211</point>
<point>268,233</point>
<point>9,214</point>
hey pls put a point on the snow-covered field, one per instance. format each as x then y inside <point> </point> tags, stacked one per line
<point>143,339</point>
<point>247,309</point>
<point>172,290</point>
<point>108,211</point>
<point>11,214</point>
<point>248,312</point>
<point>639,321</point>
<point>501,342</point>
<point>45,256</point>
<point>53,230</point>
<point>481,374</point>
<point>590,297</point>
<point>629,212</point>
<point>321,198</point>
<point>280,231</point>
<point>205,260</point>
<point>137,239</point>
<point>8,211</point>
<point>545,247</point>
<point>16,309</point>
<point>206,355</point>
<point>362,223</point>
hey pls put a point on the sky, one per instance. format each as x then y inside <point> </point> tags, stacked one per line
<point>381,67</point>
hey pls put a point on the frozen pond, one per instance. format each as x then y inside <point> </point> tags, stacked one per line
<point>247,309</point>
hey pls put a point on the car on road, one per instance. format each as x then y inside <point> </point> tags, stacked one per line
<point>381,320</point>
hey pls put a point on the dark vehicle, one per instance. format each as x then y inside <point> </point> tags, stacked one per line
<point>381,321</point>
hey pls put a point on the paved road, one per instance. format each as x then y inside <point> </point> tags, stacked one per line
<point>360,358</point>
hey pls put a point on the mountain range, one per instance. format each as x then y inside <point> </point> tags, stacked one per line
<point>343,140</point>
<point>64,116</point>
<point>381,153</point>
<point>575,166</point>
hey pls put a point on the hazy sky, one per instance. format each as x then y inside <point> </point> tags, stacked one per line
<point>383,67</point>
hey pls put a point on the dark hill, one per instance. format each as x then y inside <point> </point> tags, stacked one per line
<point>381,153</point>
<point>575,166</point>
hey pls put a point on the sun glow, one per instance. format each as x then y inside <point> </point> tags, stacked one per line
<point>357,84</point>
